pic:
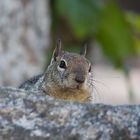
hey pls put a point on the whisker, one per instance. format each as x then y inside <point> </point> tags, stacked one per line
<point>95,92</point>
<point>97,81</point>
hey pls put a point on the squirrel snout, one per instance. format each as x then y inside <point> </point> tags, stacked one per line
<point>80,79</point>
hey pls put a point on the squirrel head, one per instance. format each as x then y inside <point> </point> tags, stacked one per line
<point>69,70</point>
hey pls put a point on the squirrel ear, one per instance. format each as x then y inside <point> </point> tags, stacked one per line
<point>58,50</point>
<point>83,50</point>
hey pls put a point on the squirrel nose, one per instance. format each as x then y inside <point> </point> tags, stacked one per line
<point>80,79</point>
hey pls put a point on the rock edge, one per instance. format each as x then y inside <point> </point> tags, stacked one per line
<point>28,115</point>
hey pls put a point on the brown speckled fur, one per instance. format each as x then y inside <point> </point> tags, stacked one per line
<point>62,84</point>
<point>73,83</point>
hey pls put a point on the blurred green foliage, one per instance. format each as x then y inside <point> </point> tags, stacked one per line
<point>82,15</point>
<point>134,20</point>
<point>114,35</point>
<point>104,22</point>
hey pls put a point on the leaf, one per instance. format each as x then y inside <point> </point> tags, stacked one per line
<point>134,20</point>
<point>114,35</point>
<point>82,15</point>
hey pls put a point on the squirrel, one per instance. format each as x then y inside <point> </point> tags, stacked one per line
<point>68,77</point>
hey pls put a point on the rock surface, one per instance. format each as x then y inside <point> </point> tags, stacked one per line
<point>24,37</point>
<point>33,116</point>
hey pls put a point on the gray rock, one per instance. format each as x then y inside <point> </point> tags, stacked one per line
<point>24,39</point>
<point>30,115</point>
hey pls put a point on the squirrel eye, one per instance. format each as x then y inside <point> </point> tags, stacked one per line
<point>89,69</point>
<point>62,64</point>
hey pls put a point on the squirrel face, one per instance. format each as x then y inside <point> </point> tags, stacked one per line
<point>73,70</point>
<point>69,73</point>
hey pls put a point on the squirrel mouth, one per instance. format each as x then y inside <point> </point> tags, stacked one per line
<point>79,86</point>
